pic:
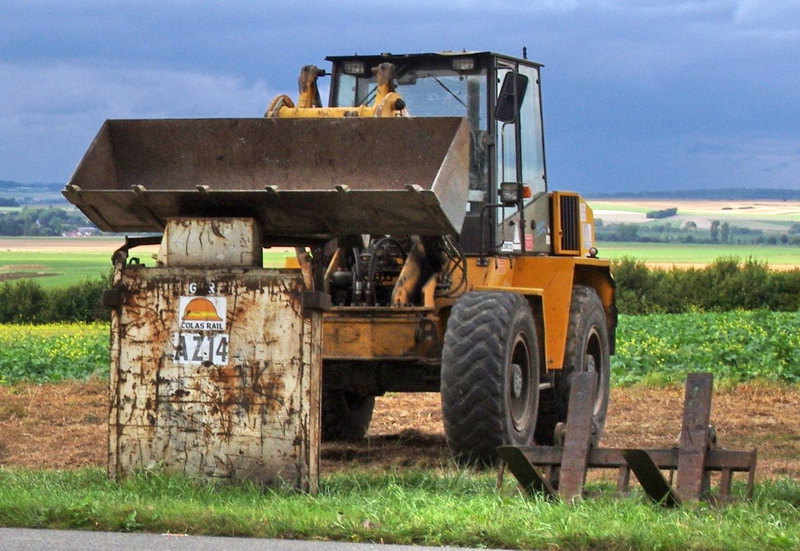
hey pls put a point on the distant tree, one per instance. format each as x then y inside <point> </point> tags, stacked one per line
<point>772,240</point>
<point>784,239</point>
<point>725,232</point>
<point>715,231</point>
<point>628,232</point>
<point>663,213</point>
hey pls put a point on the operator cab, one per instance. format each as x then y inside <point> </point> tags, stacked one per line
<point>500,98</point>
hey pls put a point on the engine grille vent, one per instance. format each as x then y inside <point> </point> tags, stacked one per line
<point>570,223</point>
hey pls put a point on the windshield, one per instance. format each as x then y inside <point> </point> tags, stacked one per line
<point>435,92</point>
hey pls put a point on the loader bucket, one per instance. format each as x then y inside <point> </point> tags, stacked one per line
<point>302,179</point>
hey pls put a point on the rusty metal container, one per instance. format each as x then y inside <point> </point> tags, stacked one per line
<point>215,371</point>
<point>301,179</point>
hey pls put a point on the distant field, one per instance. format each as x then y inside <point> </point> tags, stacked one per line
<point>698,254</point>
<point>765,215</point>
<point>56,262</point>
<point>53,269</point>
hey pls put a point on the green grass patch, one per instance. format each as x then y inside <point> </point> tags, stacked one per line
<point>698,253</point>
<point>448,507</point>
<point>61,268</point>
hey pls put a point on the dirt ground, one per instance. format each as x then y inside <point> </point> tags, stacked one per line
<point>63,426</point>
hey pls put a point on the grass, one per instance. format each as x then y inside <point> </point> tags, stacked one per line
<point>445,507</point>
<point>698,253</point>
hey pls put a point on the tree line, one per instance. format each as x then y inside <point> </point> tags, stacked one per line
<point>46,222</point>
<point>727,284</point>
<point>718,232</point>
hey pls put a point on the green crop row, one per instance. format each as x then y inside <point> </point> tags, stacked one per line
<point>53,352</point>
<point>657,349</point>
<point>735,346</point>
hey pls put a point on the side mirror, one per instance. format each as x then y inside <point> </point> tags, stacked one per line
<point>512,92</point>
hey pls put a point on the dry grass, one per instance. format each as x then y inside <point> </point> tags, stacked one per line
<point>63,426</point>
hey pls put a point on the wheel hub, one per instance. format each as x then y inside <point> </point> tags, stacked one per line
<point>590,363</point>
<point>516,380</point>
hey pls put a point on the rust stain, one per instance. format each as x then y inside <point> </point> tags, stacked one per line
<point>271,389</point>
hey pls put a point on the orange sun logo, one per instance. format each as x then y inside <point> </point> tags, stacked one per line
<point>201,309</point>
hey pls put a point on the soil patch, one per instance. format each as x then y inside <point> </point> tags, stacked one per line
<point>10,267</point>
<point>64,426</point>
<point>9,276</point>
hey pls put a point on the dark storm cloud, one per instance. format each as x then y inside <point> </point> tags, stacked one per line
<point>638,95</point>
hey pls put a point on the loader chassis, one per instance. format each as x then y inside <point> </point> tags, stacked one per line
<point>416,198</point>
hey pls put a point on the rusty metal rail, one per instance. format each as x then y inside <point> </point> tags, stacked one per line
<point>694,459</point>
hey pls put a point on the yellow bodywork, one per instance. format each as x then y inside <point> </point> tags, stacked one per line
<point>548,281</point>
<point>403,331</point>
<point>387,103</point>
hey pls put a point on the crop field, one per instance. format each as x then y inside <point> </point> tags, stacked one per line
<point>657,348</point>
<point>734,346</point>
<point>53,352</point>
<point>695,254</point>
<point>760,214</point>
<point>58,262</point>
<point>53,269</point>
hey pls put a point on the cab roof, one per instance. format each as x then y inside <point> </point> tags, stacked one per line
<point>386,56</point>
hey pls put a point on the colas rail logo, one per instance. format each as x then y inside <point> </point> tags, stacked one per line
<point>202,313</point>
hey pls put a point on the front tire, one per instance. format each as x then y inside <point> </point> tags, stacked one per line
<point>490,375</point>
<point>587,349</point>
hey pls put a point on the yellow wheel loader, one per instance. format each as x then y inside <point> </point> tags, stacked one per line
<point>417,202</point>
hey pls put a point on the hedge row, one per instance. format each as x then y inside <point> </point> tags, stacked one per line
<point>25,301</point>
<point>727,284</point>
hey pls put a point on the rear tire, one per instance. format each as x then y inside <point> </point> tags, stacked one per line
<point>587,349</point>
<point>345,415</point>
<point>490,375</point>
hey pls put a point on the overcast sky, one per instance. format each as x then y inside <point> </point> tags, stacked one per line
<point>638,95</point>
